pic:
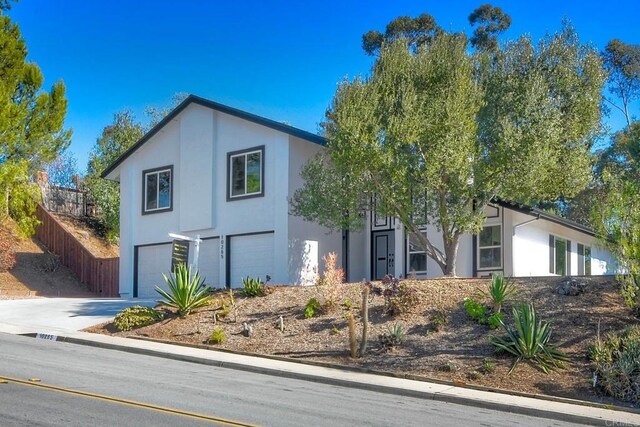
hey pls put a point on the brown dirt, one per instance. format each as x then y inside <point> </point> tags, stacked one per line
<point>455,353</point>
<point>97,246</point>
<point>38,273</point>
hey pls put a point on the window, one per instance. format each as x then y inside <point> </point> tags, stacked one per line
<point>490,247</point>
<point>246,173</point>
<point>417,259</point>
<point>584,260</point>
<point>157,190</point>
<point>559,256</point>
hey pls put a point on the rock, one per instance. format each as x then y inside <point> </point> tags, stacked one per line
<point>571,286</point>
<point>247,330</point>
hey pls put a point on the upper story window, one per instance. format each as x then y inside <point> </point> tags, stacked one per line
<point>490,247</point>
<point>584,260</point>
<point>245,173</point>
<point>157,190</point>
<point>559,255</point>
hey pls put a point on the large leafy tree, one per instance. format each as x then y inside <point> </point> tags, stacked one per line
<point>490,21</point>
<point>415,31</point>
<point>31,125</point>
<point>622,61</point>
<point>435,133</point>
<point>116,138</point>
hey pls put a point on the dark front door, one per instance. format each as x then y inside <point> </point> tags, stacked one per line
<point>383,254</point>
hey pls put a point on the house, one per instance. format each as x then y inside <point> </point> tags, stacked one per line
<point>226,176</point>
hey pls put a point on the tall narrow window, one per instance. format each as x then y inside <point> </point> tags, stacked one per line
<point>559,256</point>
<point>417,259</point>
<point>490,247</point>
<point>584,260</point>
<point>157,191</point>
<point>246,173</point>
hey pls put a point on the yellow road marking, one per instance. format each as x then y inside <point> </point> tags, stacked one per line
<point>127,402</point>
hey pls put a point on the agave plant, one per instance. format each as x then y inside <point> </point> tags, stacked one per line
<point>501,290</point>
<point>187,291</point>
<point>529,340</point>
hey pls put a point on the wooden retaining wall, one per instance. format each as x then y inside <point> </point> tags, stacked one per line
<point>99,274</point>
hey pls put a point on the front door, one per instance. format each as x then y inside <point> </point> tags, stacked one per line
<point>383,254</point>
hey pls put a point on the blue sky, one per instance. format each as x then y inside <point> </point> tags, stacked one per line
<point>279,59</point>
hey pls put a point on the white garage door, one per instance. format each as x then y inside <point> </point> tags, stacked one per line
<point>209,262</point>
<point>251,256</point>
<point>152,262</point>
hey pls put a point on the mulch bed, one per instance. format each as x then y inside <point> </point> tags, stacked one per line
<point>455,353</point>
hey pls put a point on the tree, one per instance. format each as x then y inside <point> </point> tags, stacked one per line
<point>416,31</point>
<point>622,61</point>
<point>434,135</point>
<point>490,21</point>
<point>31,125</point>
<point>116,138</point>
<point>63,170</point>
<point>617,212</point>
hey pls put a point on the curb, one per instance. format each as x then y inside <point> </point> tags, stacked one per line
<point>442,396</point>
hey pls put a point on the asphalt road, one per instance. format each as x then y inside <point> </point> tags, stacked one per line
<point>60,384</point>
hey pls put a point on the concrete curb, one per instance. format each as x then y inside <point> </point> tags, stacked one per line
<point>559,409</point>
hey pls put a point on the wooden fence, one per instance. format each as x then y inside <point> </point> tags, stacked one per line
<point>99,274</point>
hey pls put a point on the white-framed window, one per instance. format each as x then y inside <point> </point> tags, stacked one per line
<point>584,260</point>
<point>416,255</point>
<point>559,255</point>
<point>157,190</point>
<point>245,173</point>
<point>490,247</point>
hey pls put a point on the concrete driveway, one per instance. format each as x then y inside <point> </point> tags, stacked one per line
<point>50,315</point>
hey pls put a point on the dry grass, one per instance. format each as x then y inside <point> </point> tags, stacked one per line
<point>455,353</point>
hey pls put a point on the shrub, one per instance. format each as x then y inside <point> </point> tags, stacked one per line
<point>495,320</point>
<point>500,291</point>
<point>616,363</point>
<point>394,337</point>
<point>136,317</point>
<point>439,319</point>
<point>217,336</point>
<point>475,310</point>
<point>313,305</point>
<point>399,297</point>
<point>329,282</point>
<point>488,366</point>
<point>252,288</point>
<point>529,340</point>
<point>187,291</point>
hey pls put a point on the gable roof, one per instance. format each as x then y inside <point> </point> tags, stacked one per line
<point>192,99</point>
<point>539,213</point>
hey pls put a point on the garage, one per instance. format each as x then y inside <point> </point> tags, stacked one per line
<point>250,256</point>
<point>154,260</point>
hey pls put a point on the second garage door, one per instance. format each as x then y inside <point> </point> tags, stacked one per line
<point>250,256</point>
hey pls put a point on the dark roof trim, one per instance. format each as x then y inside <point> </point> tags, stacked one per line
<point>545,215</point>
<point>308,136</point>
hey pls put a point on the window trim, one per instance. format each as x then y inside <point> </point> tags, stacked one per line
<point>245,153</point>
<point>409,253</point>
<point>501,246</point>
<point>157,171</point>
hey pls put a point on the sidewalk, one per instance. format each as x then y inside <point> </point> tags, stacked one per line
<point>557,409</point>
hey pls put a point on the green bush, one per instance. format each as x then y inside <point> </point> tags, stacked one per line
<point>439,319</point>
<point>475,310</point>
<point>187,291</point>
<point>495,320</point>
<point>616,363</point>
<point>217,336</point>
<point>136,317</point>
<point>529,340</point>
<point>500,291</point>
<point>252,288</point>
<point>313,306</point>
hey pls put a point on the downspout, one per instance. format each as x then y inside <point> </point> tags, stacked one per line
<point>513,234</point>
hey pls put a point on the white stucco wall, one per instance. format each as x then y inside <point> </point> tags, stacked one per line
<point>308,242</point>
<point>196,143</point>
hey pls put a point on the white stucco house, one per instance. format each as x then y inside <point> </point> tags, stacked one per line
<point>227,176</point>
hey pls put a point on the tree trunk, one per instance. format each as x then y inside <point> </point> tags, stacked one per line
<point>451,254</point>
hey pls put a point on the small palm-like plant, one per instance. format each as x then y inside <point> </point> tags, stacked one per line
<point>529,340</point>
<point>187,291</point>
<point>501,290</point>
<point>252,288</point>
